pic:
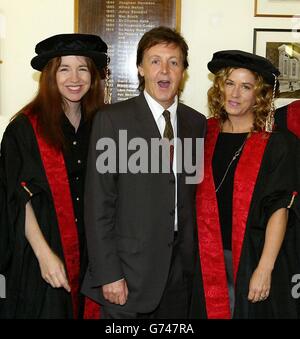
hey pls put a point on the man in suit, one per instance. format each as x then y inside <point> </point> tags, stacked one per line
<point>141,226</point>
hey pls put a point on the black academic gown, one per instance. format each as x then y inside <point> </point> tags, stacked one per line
<point>27,294</point>
<point>256,196</point>
<point>288,118</point>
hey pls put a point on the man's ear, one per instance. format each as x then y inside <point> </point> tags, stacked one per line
<point>141,70</point>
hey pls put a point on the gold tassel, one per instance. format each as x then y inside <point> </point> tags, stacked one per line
<point>107,91</point>
<point>270,118</point>
<point>270,123</point>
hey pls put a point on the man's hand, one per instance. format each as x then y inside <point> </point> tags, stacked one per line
<point>116,292</point>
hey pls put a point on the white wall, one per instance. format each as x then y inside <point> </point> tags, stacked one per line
<point>212,25</point>
<point>23,24</point>
<point>208,26</point>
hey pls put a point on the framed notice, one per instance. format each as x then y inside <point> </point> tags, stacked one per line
<point>121,24</point>
<point>282,48</point>
<point>277,8</point>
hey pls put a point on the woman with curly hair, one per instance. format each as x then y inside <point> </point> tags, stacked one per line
<point>245,229</point>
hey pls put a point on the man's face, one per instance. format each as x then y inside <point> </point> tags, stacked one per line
<point>162,68</point>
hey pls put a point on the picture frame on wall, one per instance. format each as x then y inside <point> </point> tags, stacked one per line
<point>277,8</point>
<point>282,48</point>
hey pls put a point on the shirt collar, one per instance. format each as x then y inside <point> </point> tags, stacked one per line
<point>157,109</point>
<point>69,128</point>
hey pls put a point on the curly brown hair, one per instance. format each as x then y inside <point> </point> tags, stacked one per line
<point>263,94</point>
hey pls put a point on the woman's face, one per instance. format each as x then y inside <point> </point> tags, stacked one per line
<point>240,93</point>
<point>73,78</point>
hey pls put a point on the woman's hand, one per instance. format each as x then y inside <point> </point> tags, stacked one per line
<point>53,270</point>
<point>260,284</point>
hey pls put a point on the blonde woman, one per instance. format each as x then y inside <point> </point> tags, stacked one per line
<point>245,231</point>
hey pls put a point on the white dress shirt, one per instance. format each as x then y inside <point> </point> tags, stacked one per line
<point>157,112</point>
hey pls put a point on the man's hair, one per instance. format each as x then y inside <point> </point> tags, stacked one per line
<point>160,35</point>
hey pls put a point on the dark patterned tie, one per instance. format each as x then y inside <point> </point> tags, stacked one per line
<point>169,134</point>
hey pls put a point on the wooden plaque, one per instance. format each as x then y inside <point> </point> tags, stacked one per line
<point>121,24</point>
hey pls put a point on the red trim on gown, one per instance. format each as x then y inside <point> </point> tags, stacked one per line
<point>209,229</point>
<point>293,117</point>
<point>57,177</point>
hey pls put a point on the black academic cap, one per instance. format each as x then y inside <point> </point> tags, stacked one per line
<point>241,59</point>
<point>70,44</point>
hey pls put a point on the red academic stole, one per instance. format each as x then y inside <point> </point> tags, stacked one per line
<point>57,177</point>
<point>293,118</point>
<point>209,231</point>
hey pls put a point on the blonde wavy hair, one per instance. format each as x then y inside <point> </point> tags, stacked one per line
<point>261,109</point>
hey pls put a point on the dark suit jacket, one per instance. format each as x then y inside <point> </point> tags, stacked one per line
<point>129,217</point>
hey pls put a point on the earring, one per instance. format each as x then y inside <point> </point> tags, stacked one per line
<point>107,91</point>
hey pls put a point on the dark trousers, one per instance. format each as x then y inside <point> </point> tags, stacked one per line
<point>175,301</point>
<point>230,278</point>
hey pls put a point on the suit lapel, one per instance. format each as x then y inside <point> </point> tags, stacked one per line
<point>183,131</point>
<point>146,123</point>
<point>183,128</point>
<point>145,119</point>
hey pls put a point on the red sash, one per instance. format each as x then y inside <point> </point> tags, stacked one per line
<point>209,231</point>
<point>57,177</point>
<point>293,117</point>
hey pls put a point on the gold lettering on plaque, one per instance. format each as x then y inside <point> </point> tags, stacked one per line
<point>121,24</point>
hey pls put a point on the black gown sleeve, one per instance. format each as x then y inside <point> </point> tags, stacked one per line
<point>281,118</point>
<point>20,165</point>
<point>277,180</point>
<point>274,188</point>
<point>13,196</point>
<point>5,236</point>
